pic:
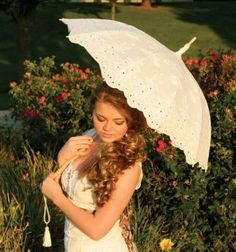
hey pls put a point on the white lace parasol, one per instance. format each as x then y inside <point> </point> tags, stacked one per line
<point>154,79</point>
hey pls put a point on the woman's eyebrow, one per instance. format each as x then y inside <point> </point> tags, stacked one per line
<point>116,119</point>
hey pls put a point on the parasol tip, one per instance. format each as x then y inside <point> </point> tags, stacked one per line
<point>185,47</point>
<point>192,40</point>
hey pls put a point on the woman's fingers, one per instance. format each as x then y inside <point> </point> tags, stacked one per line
<point>82,137</point>
<point>83,151</point>
<point>80,142</point>
<point>75,146</point>
<point>50,188</point>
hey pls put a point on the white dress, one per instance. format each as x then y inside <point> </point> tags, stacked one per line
<point>81,194</point>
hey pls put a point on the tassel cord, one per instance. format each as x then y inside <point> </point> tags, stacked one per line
<point>46,214</point>
<point>46,218</point>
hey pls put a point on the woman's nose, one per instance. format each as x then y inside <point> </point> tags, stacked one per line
<point>107,126</point>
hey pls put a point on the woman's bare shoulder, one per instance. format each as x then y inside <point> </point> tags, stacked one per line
<point>130,177</point>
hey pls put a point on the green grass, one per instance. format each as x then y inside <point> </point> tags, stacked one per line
<point>213,23</point>
<point>21,202</point>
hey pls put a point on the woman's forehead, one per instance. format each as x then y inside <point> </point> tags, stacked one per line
<point>108,110</point>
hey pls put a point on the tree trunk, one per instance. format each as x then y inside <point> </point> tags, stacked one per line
<point>113,9</point>
<point>147,4</point>
<point>23,29</point>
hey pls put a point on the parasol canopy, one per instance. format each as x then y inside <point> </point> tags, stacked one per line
<point>154,80</point>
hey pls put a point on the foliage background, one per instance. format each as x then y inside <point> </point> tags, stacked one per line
<point>193,208</point>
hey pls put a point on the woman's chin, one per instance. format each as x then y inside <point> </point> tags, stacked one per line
<point>107,140</point>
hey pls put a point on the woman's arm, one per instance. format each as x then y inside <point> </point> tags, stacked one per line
<point>96,225</point>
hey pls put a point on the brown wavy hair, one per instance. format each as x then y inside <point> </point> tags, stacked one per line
<point>113,158</point>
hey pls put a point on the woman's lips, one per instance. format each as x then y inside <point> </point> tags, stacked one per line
<point>105,135</point>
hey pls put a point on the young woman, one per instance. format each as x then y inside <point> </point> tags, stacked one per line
<point>103,171</point>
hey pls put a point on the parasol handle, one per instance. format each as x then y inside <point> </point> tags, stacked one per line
<point>183,49</point>
<point>63,167</point>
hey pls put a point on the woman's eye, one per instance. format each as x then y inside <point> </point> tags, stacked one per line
<point>120,123</point>
<point>100,119</point>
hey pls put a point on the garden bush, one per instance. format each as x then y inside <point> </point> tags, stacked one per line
<point>182,206</point>
<point>216,73</point>
<point>52,106</point>
<point>198,207</point>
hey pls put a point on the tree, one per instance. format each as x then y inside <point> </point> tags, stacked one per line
<point>147,3</point>
<point>113,9</point>
<point>20,12</point>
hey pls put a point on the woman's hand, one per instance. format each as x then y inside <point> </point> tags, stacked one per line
<point>75,146</point>
<point>51,188</point>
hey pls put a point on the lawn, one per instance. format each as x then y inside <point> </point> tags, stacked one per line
<point>213,24</point>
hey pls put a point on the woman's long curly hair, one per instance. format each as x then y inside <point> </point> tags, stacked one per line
<point>113,158</point>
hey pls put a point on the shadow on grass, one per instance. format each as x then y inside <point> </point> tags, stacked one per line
<point>48,38</point>
<point>53,33</point>
<point>219,16</point>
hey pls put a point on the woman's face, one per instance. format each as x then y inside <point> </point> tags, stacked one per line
<point>108,122</point>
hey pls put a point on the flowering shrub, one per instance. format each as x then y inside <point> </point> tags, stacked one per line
<point>216,73</point>
<point>198,207</point>
<point>53,106</point>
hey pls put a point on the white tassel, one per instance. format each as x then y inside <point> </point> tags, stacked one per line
<point>47,242</point>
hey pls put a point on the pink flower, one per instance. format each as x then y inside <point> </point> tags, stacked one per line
<point>63,80</point>
<point>13,84</point>
<point>215,56</point>
<point>84,76</point>
<point>79,70</point>
<point>203,62</point>
<point>28,113</point>
<point>189,62</point>
<point>174,183</point>
<point>160,146</point>
<point>55,76</point>
<point>41,99</point>
<point>65,65</point>
<point>87,70</point>
<point>64,95</point>
<point>72,68</point>
<point>213,93</point>
<point>61,97</point>
<point>226,57</point>
<point>27,75</point>
<point>33,114</point>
